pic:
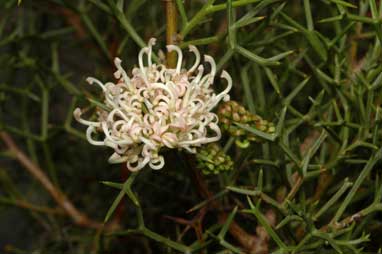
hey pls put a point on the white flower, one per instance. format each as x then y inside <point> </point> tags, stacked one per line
<point>157,107</point>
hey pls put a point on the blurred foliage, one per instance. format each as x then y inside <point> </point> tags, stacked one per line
<point>311,185</point>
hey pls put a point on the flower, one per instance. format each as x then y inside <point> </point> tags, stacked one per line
<point>157,108</point>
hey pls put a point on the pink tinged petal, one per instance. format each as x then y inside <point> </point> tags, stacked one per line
<point>162,110</point>
<point>178,103</point>
<point>156,137</point>
<point>113,139</point>
<point>161,98</point>
<point>117,112</point>
<point>180,123</point>
<point>169,139</point>
<point>164,128</point>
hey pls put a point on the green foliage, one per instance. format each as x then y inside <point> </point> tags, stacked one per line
<point>310,185</point>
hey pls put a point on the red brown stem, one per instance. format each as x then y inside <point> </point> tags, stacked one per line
<point>171,33</point>
<point>61,199</point>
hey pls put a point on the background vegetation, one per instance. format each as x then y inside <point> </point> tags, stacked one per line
<point>310,185</point>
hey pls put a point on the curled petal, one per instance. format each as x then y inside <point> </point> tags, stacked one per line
<point>77,115</point>
<point>139,164</point>
<point>91,81</point>
<point>151,43</point>
<point>157,163</point>
<point>211,61</point>
<point>195,50</point>
<point>89,132</point>
<point>180,56</point>
<point>121,72</point>
<point>224,95</point>
<point>144,50</point>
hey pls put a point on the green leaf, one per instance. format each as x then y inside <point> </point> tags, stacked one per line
<point>126,190</point>
<point>295,91</point>
<point>343,3</point>
<point>227,224</point>
<point>264,135</point>
<point>255,58</point>
<point>114,205</point>
<point>316,43</point>
<point>94,32</point>
<point>263,221</point>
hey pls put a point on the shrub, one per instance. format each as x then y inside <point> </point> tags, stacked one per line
<point>290,164</point>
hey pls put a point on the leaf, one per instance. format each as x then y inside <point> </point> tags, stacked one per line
<point>113,206</point>
<point>316,43</point>
<point>126,189</point>
<point>343,3</point>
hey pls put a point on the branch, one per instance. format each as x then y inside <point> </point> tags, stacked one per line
<point>61,199</point>
<point>29,206</point>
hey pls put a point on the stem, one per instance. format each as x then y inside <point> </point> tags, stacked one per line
<point>171,33</point>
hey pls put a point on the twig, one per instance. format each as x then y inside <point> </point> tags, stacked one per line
<point>62,200</point>
<point>26,205</point>
<point>171,33</point>
<point>352,218</point>
<point>297,184</point>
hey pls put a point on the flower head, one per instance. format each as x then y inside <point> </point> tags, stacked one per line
<point>157,107</point>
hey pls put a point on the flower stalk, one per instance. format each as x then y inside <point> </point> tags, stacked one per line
<point>171,31</point>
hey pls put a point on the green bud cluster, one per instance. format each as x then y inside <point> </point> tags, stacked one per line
<point>211,159</point>
<point>232,112</point>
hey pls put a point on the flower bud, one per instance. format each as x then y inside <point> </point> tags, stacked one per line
<point>232,112</point>
<point>211,159</point>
